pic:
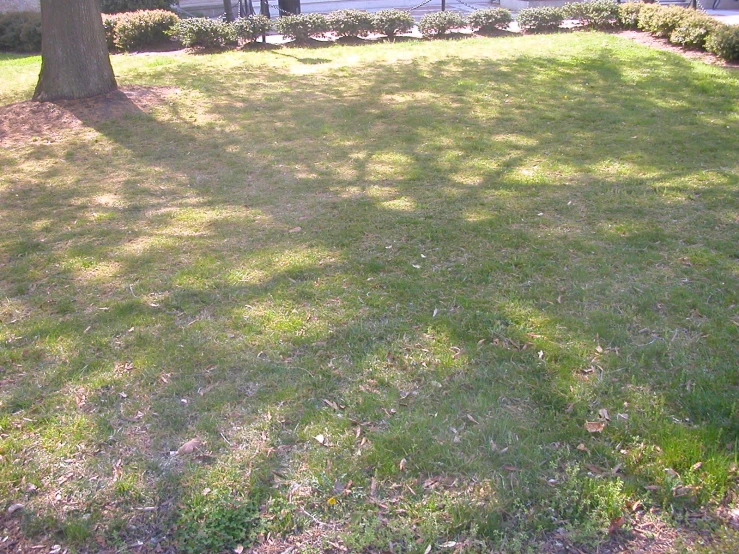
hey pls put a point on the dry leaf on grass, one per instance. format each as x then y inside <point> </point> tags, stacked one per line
<point>604,414</point>
<point>616,524</point>
<point>331,404</point>
<point>190,446</point>
<point>14,508</point>
<point>595,426</point>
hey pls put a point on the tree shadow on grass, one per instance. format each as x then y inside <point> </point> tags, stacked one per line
<point>496,300</point>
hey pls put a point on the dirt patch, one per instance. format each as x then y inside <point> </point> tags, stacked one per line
<point>26,122</point>
<point>664,44</point>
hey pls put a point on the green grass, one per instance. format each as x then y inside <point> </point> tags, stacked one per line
<point>498,238</point>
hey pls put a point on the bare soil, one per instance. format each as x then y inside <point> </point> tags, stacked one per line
<point>25,122</point>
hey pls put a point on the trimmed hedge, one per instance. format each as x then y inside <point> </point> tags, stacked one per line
<point>438,23</point>
<point>490,20</point>
<point>120,6</point>
<point>660,21</point>
<point>249,29</point>
<point>693,31</point>
<point>598,14</point>
<point>724,42</point>
<point>540,20</point>
<point>303,26</point>
<point>20,32</point>
<point>205,33</point>
<point>392,22</point>
<point>137,30</point>
<point>141,29</point>
<point>628,14</point>
<point>351,23</point>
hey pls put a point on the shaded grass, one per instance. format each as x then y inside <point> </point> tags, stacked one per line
<point>441,258</point>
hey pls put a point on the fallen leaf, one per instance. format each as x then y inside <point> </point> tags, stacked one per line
<point>682,491</point>
<point>583,448</point>
<point>696,466</point>
<point>295,230</point>
<point>472,419</point>
<point>604,414</point>
<point>448,544</point>
<point>595,426</point>
<point>14,508</point>
<point>428,549</point>
<point>615,525</point>
<point>239,548</point>
<point>331,404</point>
<point>510,468</point>
<point>599,349</point>
<point>402,464</point>
<point>190,446</point>
<point>321,439</point>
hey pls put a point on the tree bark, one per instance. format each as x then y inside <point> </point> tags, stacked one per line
<point>74,54</point>
<point>228,10</point>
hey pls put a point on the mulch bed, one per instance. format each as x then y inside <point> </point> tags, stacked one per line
<point>25,122</point>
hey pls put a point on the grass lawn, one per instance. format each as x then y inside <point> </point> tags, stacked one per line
<point>384,288</point>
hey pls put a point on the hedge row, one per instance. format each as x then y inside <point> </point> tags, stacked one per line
<point>138,30</point>
<point>687,28</point>
<point>683,27</point>
<point>146,28</point>
<point>20,32</point>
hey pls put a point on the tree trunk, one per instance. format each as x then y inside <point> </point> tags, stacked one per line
<point>228,10</point>
<point>74,54</point>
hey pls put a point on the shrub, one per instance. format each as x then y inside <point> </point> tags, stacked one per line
<point>598,14</point>
<point>724,42</point>
<point>437,24</point>
<point>628,14</point>
<point>249,29</point>
<point>303,26</point>
<point>137,30</point>
<point>693,31</point>
<point>540,20</point>
<point>118,6</point>
<point>392,22</point>
<point>203,32</point>
<point>660,21</point>
<point>20,32</point>
<point>350,23</point>
<point>109,23</point>
<point>487,21</point>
